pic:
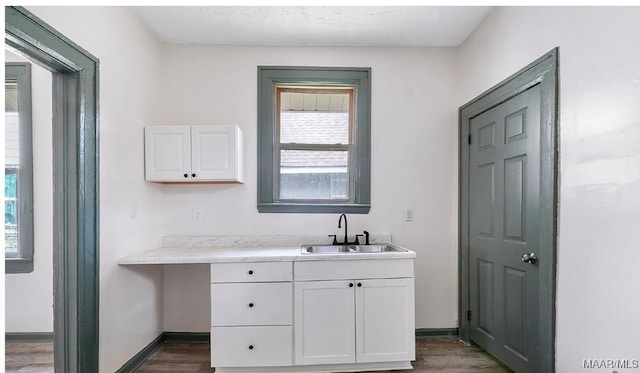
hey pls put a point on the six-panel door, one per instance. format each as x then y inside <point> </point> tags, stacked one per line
<point>504,205</point>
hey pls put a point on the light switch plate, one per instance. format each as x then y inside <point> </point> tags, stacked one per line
<point>408,215</point>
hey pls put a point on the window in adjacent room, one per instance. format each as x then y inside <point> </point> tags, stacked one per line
<point>314,139</point>
<point>18,177</point>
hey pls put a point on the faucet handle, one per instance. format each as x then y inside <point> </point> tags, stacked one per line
<point>335,240</point>
<point>357,242</point>
<point>366,237</point>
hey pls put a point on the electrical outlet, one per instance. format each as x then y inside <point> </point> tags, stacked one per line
<point>196,214</point>
<point>408,215</point>
<point>134,211</point>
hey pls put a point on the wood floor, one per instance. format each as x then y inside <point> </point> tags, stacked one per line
<point>432,355</point>
<point>28,357</point>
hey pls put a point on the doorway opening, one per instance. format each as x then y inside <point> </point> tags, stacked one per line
<point>75,184</point>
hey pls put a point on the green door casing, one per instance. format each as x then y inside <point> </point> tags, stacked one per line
<point>76,172</point>
<point>507,230</point>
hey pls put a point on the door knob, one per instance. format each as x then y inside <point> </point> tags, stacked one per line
<point>529,258</point>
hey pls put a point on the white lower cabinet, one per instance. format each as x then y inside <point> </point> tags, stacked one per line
<point>323,321</point>
<point>359,321</point>
<point>353,321</point>
<point>251,315</point>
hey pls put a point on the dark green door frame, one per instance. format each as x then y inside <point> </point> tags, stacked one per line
<point>75,185</point>
<point>543,71</point>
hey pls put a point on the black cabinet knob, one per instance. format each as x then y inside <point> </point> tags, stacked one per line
<point>193,175</point>
<point>186,175</point>
<point>359,284</point>
<point>250,304</point>
<point>251,347</point>
<point>351,284</point>
<point>250,272</point>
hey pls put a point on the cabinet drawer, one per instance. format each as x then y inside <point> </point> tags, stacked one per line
<point>251,346</point>
<point>353,269</point>
<point>251,303</point>
<point>251,272</point>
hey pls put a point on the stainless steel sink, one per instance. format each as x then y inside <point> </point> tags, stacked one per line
<point>324,249</point>
<point>346,249</point>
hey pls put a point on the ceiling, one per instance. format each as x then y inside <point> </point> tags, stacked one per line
<point>314,25</point>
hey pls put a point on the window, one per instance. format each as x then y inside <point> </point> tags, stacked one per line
<point>314,139</point>
<point>18,176</point>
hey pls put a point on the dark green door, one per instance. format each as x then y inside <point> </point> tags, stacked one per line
<point>504,204</point>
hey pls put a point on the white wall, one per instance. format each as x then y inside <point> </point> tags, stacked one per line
<point>130,297</point>
<point>34,313</point>
<point>413,163</point>
<point>598,255</point>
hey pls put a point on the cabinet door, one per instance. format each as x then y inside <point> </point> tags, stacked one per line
<point>385,323</point>
<point>324,322</point>
<point>216,153</point>
<point>167,153</point>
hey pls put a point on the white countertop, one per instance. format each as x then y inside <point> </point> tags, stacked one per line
<point>250,248</point>
<point>192,255</point>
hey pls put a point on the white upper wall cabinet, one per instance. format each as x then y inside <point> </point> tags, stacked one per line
<point>193,154</point>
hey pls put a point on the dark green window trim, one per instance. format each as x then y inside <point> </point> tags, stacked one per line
<point>358,77</point>
<point>20,73</point>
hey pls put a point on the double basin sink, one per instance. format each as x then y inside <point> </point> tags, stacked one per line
<point>347,249</point>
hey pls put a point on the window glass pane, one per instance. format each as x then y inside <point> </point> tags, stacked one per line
<point>314,174</point>
<point>314,118</point>
<point>10,213</point>
<point>11,127</point>
<point>10,97</point>
<point>12,160</point>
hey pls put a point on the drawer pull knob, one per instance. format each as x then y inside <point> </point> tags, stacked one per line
<point>351,284</point>
<point>250,272</point>
<point>251,347</point>
<point>359,284</point>
<point>250,304</point>
<point>193,175</point>
<point>185,175</point>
